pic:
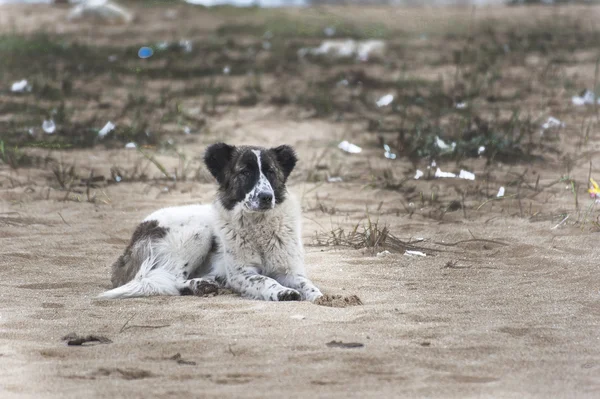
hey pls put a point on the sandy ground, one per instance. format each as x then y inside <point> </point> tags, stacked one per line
<point>508,307</point>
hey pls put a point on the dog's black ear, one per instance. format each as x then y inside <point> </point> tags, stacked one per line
<point>286,157</point>
<point>216,158</point>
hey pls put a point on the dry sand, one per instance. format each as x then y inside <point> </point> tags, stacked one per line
<point>516,316</point>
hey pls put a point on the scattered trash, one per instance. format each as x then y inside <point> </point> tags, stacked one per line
<point>418,174</point>
<point>130,146</point>
<point>226,70</point>
<point>249,3</point>
<point>162,45</point>
<point>186,45</point>
<point>388,152</point>
<point>145,52</point>
<point>385,100</point>
<point>343,82</point>
<point>594,190</point>
<point>109,127</point>
<point>500,193</point>
<point>586,98</point>
<point>480,150</point>
<point>349,147</point>
<point>362,50</point>
<point>102,10</point>
<point>112,58</point>
<point>49,126</point>
<point>443,146</point>
<point>297,317</point>
<point>329,31</point>
<point>383,253</point>
<point>466,175</point>
<point>439,173</point>
<point>340,344</point>
<point>551,123</point>
<point>266,45</point>
<point>334,179</point>
<point>187,130</point>
<point>21,86</point>
<point>462,105</point>
<point>414,253</point>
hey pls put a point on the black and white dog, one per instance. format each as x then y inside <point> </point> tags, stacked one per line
<point>248,240</point>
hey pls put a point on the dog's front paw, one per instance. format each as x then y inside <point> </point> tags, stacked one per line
<point>204,287</point>
<point>289,295</point>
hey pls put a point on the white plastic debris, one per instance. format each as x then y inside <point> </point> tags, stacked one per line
<point>418,174</point>
<point>480,150</point>
<point>462,105</point>
<point>388,152</point>
<point>361,50</point>
<point>587,98</point>
<point>21,86</point>
<point>383,253</point>
<point>439,173</point>
<point>385,100</point>
<point>226,70</point>
<point>131,146</point>
<point>414,253</point>
<point>443,146</point>
<point>464,174</point>
<point>112,58</point>
<point>500,193</point>
<point>297,317</point>
<point>266,45</point>
<point>349,147</point>
<point>553,122</point>
<point>334,179</point>
<point>187,130</point>
<point>102,10</point>
<point>49,126</point>
<point>186,45</point>
<point>109,127</point>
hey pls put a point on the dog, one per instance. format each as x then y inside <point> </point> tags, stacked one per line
<point>248,240</point>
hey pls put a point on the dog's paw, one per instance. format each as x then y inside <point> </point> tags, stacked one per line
<point>289,295</point>
<point>205,287</point>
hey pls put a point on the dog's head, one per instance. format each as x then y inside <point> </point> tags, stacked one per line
<point>253,177</point>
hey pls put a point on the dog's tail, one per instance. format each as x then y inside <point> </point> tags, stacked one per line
<point>149,281</point>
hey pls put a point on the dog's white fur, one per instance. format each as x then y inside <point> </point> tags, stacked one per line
<point>259,254</point>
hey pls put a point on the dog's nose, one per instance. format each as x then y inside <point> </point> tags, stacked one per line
<point>265,198</point>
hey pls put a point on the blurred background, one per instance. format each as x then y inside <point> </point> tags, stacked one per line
<point>446,104</point>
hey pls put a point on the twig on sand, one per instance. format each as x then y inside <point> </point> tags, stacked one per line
<point>77,340</point>
<point>560,223</point>
<point>63,219</point>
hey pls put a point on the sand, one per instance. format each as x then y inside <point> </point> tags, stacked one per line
<point>508,307</point>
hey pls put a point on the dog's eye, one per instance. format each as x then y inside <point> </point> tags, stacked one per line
<point>270,173</point>
<point>247,172</point>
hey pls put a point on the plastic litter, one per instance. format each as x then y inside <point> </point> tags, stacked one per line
<point>297,317</point>
<point>349,147</point>
<point>388,152</point>
<point>334,179</point>
<point>186,45</point>
<point>466,175</point>
<point>361,50</point>
<point>462,105</point>
<point>418,174</point>
<point>383,253</point>
<point>414,253</point>
<point>130,146</point>
<point>109,127</point>
<point>586,98</point>
<point>439,173</point>
<point>21,86</point>
<point>500,193</point>
<point>552,122</point>
<point>226,70</point>
<point>145,52</point>
<point>49,126</point>
<point>594,190</point>
<point>443,146</point>
<point>480,150</point>
<point>329,31</point>
<point>102,10</point>
<point>385,100</point>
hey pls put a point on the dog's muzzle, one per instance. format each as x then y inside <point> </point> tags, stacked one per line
<point>262,197</point>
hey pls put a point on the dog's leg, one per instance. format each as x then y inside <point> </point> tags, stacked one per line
<point>307,289</point>
<point>249,283</point>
